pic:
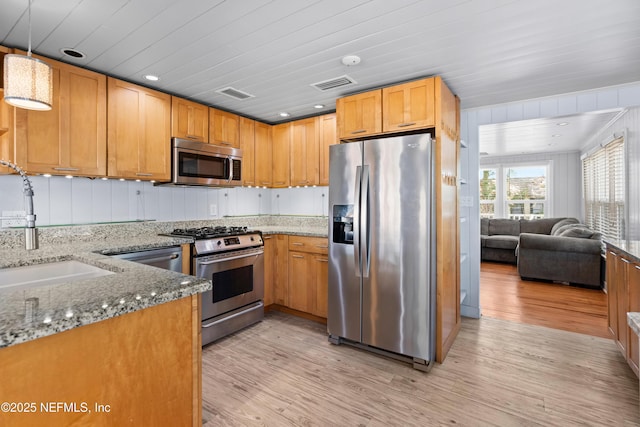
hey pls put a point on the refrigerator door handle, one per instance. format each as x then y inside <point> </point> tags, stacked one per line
<point>364,224</point>
<point>356,222</point>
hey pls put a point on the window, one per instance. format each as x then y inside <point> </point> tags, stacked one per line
<point>603,177</point>
<point>515,191</point>
<point>488,187</point>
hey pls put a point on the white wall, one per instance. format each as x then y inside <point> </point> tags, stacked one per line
<point>566,176</point>
<point>552,106</point>
<point>58,200</point>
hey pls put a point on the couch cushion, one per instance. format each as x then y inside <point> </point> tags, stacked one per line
<point>580,232</point>
<point>538,226</point>
<point>501,242</point>
<point>503,226</point>
<point>561,223</point>
<point>484,226</point>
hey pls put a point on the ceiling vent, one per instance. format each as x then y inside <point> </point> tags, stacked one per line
<point>235,93</point>
<point>334,83</point>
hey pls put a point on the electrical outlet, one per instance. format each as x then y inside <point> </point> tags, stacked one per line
<point>466,201</point>
<point>213,210</point>
<point>19,220</point>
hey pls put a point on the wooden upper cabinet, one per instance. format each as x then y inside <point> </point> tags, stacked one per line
<point>71,138</point>
<point>7,127</point>
<point>281,140</point>
<point>408,106</point>
<point>263,155</point>
<point>359,115</point>
<point>247,145</point>
<point>139,132</point>
<point>189,120</point>
<point>224,128</point>
<point>328,137</point>
<point>304,152</point>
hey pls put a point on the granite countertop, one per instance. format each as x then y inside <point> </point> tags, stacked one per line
<point>294,230</point>
<point>133,286</point>
<point>630,247</point>
<point>633,319</point>
<point>66,306</point>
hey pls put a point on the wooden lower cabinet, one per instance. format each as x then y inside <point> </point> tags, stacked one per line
<point>281,271</point>
<point>623,295</point>
<point>269,268</point>
<point>308,274</point>
<point>143,368</point>
<point>296,273</point>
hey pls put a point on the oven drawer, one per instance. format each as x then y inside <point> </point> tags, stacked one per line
<point>314,245</point>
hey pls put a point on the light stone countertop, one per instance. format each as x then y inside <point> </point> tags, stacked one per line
<point>69,305</point>
<point>133,286</point>
<point>294,230</point>
<point>633,319</point>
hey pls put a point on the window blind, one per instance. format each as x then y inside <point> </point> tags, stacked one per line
<point>603,177</point>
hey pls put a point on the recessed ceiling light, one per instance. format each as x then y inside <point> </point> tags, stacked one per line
<point>284,114</point>
<point>562,123</point>
<point>151,77</point>
<point>318,106</point>
<point>69,51</point>
<point>555,135</point>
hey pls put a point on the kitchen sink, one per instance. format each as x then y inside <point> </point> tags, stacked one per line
<point>52,273</point>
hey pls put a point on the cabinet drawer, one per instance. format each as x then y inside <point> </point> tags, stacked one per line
<point>316,245</point>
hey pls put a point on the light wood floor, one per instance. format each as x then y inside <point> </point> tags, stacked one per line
<point>503,295</point>
<point>283,372</point>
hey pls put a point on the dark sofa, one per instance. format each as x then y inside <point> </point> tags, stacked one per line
<point>557,249</point>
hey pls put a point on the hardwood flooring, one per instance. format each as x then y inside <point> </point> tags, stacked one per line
<point>283,372</point>
<point>503,295</point>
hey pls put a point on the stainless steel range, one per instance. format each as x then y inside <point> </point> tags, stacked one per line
<point>233,259</point>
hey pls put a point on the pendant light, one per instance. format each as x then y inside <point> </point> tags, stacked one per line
<point>28,82</point>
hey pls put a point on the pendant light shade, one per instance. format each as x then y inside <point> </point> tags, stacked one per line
<point>28,82</point>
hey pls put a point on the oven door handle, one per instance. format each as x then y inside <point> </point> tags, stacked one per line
<point>228,259</point>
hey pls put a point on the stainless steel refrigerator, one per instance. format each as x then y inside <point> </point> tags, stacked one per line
<point>381,250</point>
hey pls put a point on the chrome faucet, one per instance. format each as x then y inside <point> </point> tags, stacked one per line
<point>30,230</point>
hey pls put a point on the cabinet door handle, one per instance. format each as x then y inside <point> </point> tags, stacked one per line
<point>297,256</point>
<point>265,183</point>
<point>358,131</point>
<point>279,182</point>
<point>404,125</point>
<point>192,137</point>
<point>143,174</point>
<point>225,143</point>
<point>322,246</point>
<point>267,237</point>
<point>66,169</point>
<point>322,259</point>
<point>297,244</point>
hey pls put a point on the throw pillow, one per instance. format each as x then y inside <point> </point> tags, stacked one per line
<point>562,223</point>
<point>580,232</point>
<point>566,227</point>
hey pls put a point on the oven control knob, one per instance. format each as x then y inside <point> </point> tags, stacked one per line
<point>219,242</point>
<point>251,238</point>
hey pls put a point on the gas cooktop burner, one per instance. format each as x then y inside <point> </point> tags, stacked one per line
<point>210,232</point>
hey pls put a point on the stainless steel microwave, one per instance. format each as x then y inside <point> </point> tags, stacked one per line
<point>198,163</point>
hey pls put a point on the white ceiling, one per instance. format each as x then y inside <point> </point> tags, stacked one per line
<point>488,51</point>
<point>555,134</point>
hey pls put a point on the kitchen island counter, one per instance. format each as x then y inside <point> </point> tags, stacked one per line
<point>65,306</point>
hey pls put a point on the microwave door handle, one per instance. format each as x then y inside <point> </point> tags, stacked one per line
<point>230,164</point>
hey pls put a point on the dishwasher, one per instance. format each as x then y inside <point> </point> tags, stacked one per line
<point>167,258</point>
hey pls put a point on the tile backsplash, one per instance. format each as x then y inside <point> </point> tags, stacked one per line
<point>59,200</point>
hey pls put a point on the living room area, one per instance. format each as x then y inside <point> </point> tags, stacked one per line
<point>551,192</point>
